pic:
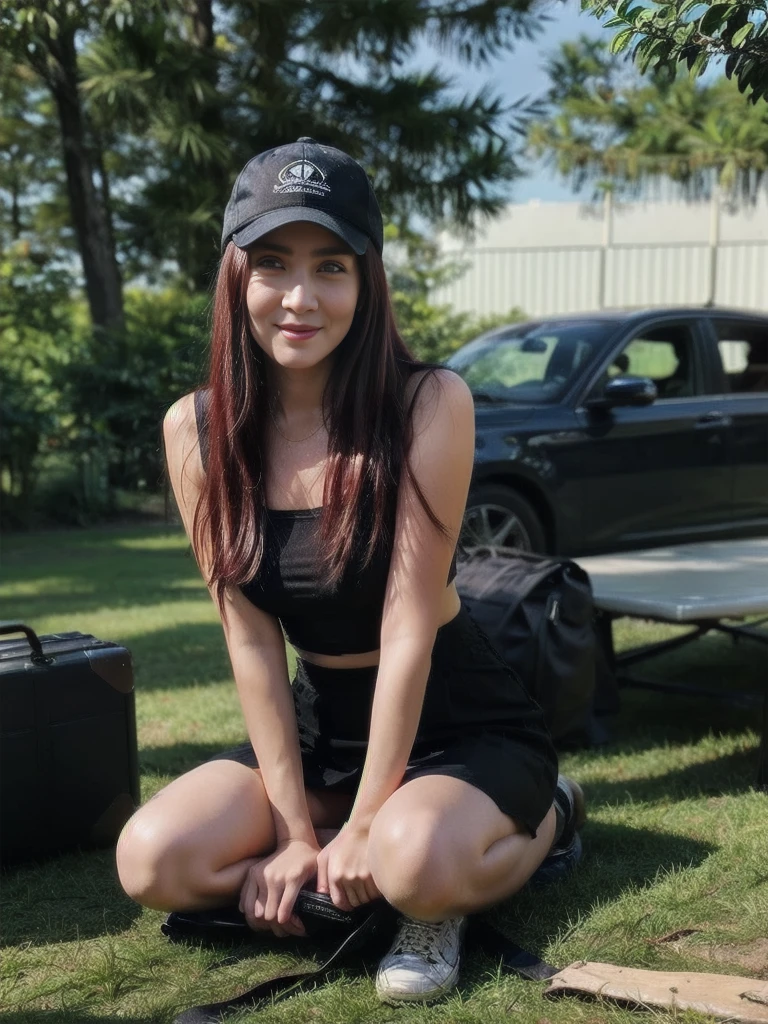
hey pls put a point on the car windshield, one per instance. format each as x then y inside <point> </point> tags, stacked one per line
<point>528,363</point>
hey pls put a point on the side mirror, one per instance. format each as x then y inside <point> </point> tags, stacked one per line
<point>625,391</point>
<point>537,345</point>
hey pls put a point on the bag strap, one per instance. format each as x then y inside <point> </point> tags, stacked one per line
<point>514,960</point>
<point>281,984</point>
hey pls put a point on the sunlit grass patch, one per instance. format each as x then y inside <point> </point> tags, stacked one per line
<point>675,841</point>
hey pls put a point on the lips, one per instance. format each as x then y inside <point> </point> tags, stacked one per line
<point>298,332</point>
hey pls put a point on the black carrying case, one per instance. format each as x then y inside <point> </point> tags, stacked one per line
<point>69,773</point>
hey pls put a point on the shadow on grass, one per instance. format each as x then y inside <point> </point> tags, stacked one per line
<point>73,896</point>
<point>179,758</point>
<point>617,859</point>
<point>74,1017</point>
<point>186,654</point>
<point>81,572</point>
<point>650,719</point>
<point>75,596</point>
<point>730,773</point>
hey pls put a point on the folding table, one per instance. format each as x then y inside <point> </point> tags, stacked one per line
<point>700,585</point>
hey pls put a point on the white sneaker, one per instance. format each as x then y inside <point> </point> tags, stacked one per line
<point>423,962</point>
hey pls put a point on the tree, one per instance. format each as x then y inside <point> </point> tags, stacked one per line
<point>606,122</point>
<point>43,36</point>
<point>175,96</point>
<point>664,33</point>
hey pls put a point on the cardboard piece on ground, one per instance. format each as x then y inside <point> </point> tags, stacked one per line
<point>720,995</point>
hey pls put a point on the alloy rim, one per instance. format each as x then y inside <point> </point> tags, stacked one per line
<point>493,527</point>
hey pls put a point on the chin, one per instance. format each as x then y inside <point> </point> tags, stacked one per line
<point>291,359</point>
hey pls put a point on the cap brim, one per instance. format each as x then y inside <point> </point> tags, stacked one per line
<point>290,215</point>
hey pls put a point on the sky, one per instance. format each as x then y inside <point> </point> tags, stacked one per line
<point>520,74</point>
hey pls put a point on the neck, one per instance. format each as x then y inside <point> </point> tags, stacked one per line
<point>298,393</point>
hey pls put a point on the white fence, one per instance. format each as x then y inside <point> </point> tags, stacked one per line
<point>613,256</point>
<point>564,279</point>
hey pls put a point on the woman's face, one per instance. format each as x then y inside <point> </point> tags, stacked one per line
<point>302,291</point>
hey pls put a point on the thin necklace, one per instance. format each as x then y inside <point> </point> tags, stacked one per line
<point>293,440</point>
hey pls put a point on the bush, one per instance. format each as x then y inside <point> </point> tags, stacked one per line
<point>415,269</point>
<point>82,410</point>
<point>122,387</point>
<point>38,338</point>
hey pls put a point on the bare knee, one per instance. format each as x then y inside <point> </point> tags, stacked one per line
<point>413,866</point>
<point>155,868</point>
<point>190,845</point>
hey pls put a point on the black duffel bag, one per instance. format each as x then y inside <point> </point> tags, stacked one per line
<point>538,613</point>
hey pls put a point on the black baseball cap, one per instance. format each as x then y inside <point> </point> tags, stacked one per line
<point>303,181</point>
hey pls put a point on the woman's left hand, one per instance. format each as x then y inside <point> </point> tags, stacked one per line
<point>342,869</point>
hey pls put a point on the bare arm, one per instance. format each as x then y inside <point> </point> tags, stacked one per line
<point>256,650</point>
<point>441,458</point>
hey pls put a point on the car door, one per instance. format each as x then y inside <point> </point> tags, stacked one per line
<point>658,473</point>
<point>742,352</point>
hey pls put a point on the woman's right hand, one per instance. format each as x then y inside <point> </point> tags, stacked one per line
<point>272,885</point>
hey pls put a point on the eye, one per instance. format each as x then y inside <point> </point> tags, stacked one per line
<point>270,263</point>
<point>331,267</point>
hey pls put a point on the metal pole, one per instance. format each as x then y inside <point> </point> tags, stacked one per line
<point>714,241</point>
<point>606,245</point>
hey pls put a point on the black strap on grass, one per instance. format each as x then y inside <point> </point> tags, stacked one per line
<point>226,926</point>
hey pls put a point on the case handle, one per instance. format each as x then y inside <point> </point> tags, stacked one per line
<point>9,626</point>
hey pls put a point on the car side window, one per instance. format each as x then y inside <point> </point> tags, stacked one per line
<point>666,355</point>
<point>743,351</point>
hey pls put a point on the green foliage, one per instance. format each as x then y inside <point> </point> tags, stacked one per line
<point>666,33</point>
<point>37,339</point>
<point>432,332</point>
<point>175,97</point>
<point>123,383</point>
<point>606,123</point>
<point>82,410</point>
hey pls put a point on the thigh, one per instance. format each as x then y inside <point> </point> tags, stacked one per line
<point>221,810</point>
<point>448,814</point>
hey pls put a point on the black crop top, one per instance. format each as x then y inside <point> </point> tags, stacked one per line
<point>344,618</point>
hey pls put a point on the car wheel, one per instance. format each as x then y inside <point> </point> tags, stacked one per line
<point>501,519</point>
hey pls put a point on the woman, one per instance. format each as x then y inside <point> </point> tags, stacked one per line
<point>322,477</point>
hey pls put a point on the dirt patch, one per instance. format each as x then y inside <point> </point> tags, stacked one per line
<point>751,957</point>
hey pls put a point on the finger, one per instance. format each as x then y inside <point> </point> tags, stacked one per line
<point>353,897</point>
<point>274,895</point>
<point>371,890</point>
<point>244,893</point>
<point>339,896</point>
<point>285,909</point>
<point>249,898</point>
<point>256,907</point>
<point>321,883</point>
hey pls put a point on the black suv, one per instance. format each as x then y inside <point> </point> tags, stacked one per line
<point>613,431</point>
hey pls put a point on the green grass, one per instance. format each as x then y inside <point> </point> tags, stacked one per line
<point>676,837</point>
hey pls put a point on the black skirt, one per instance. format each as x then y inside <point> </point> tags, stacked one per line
<point>477,724</point>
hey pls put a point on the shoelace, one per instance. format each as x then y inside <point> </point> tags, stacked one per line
<point>418,938</point>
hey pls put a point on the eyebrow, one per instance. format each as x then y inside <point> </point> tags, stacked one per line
<point>328,250</point>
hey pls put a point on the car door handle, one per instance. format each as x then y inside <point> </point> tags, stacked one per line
<point>713,420</point>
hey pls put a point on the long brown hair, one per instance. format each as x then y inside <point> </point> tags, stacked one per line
<point>369,431</point>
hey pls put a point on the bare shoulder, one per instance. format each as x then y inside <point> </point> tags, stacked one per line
<point>180,419</point>
<point>436,394</point>
<point>182,448</point>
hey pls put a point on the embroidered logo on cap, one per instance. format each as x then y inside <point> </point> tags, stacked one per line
<point>302,176</point>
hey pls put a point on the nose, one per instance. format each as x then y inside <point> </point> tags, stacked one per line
<point>300,296</point>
